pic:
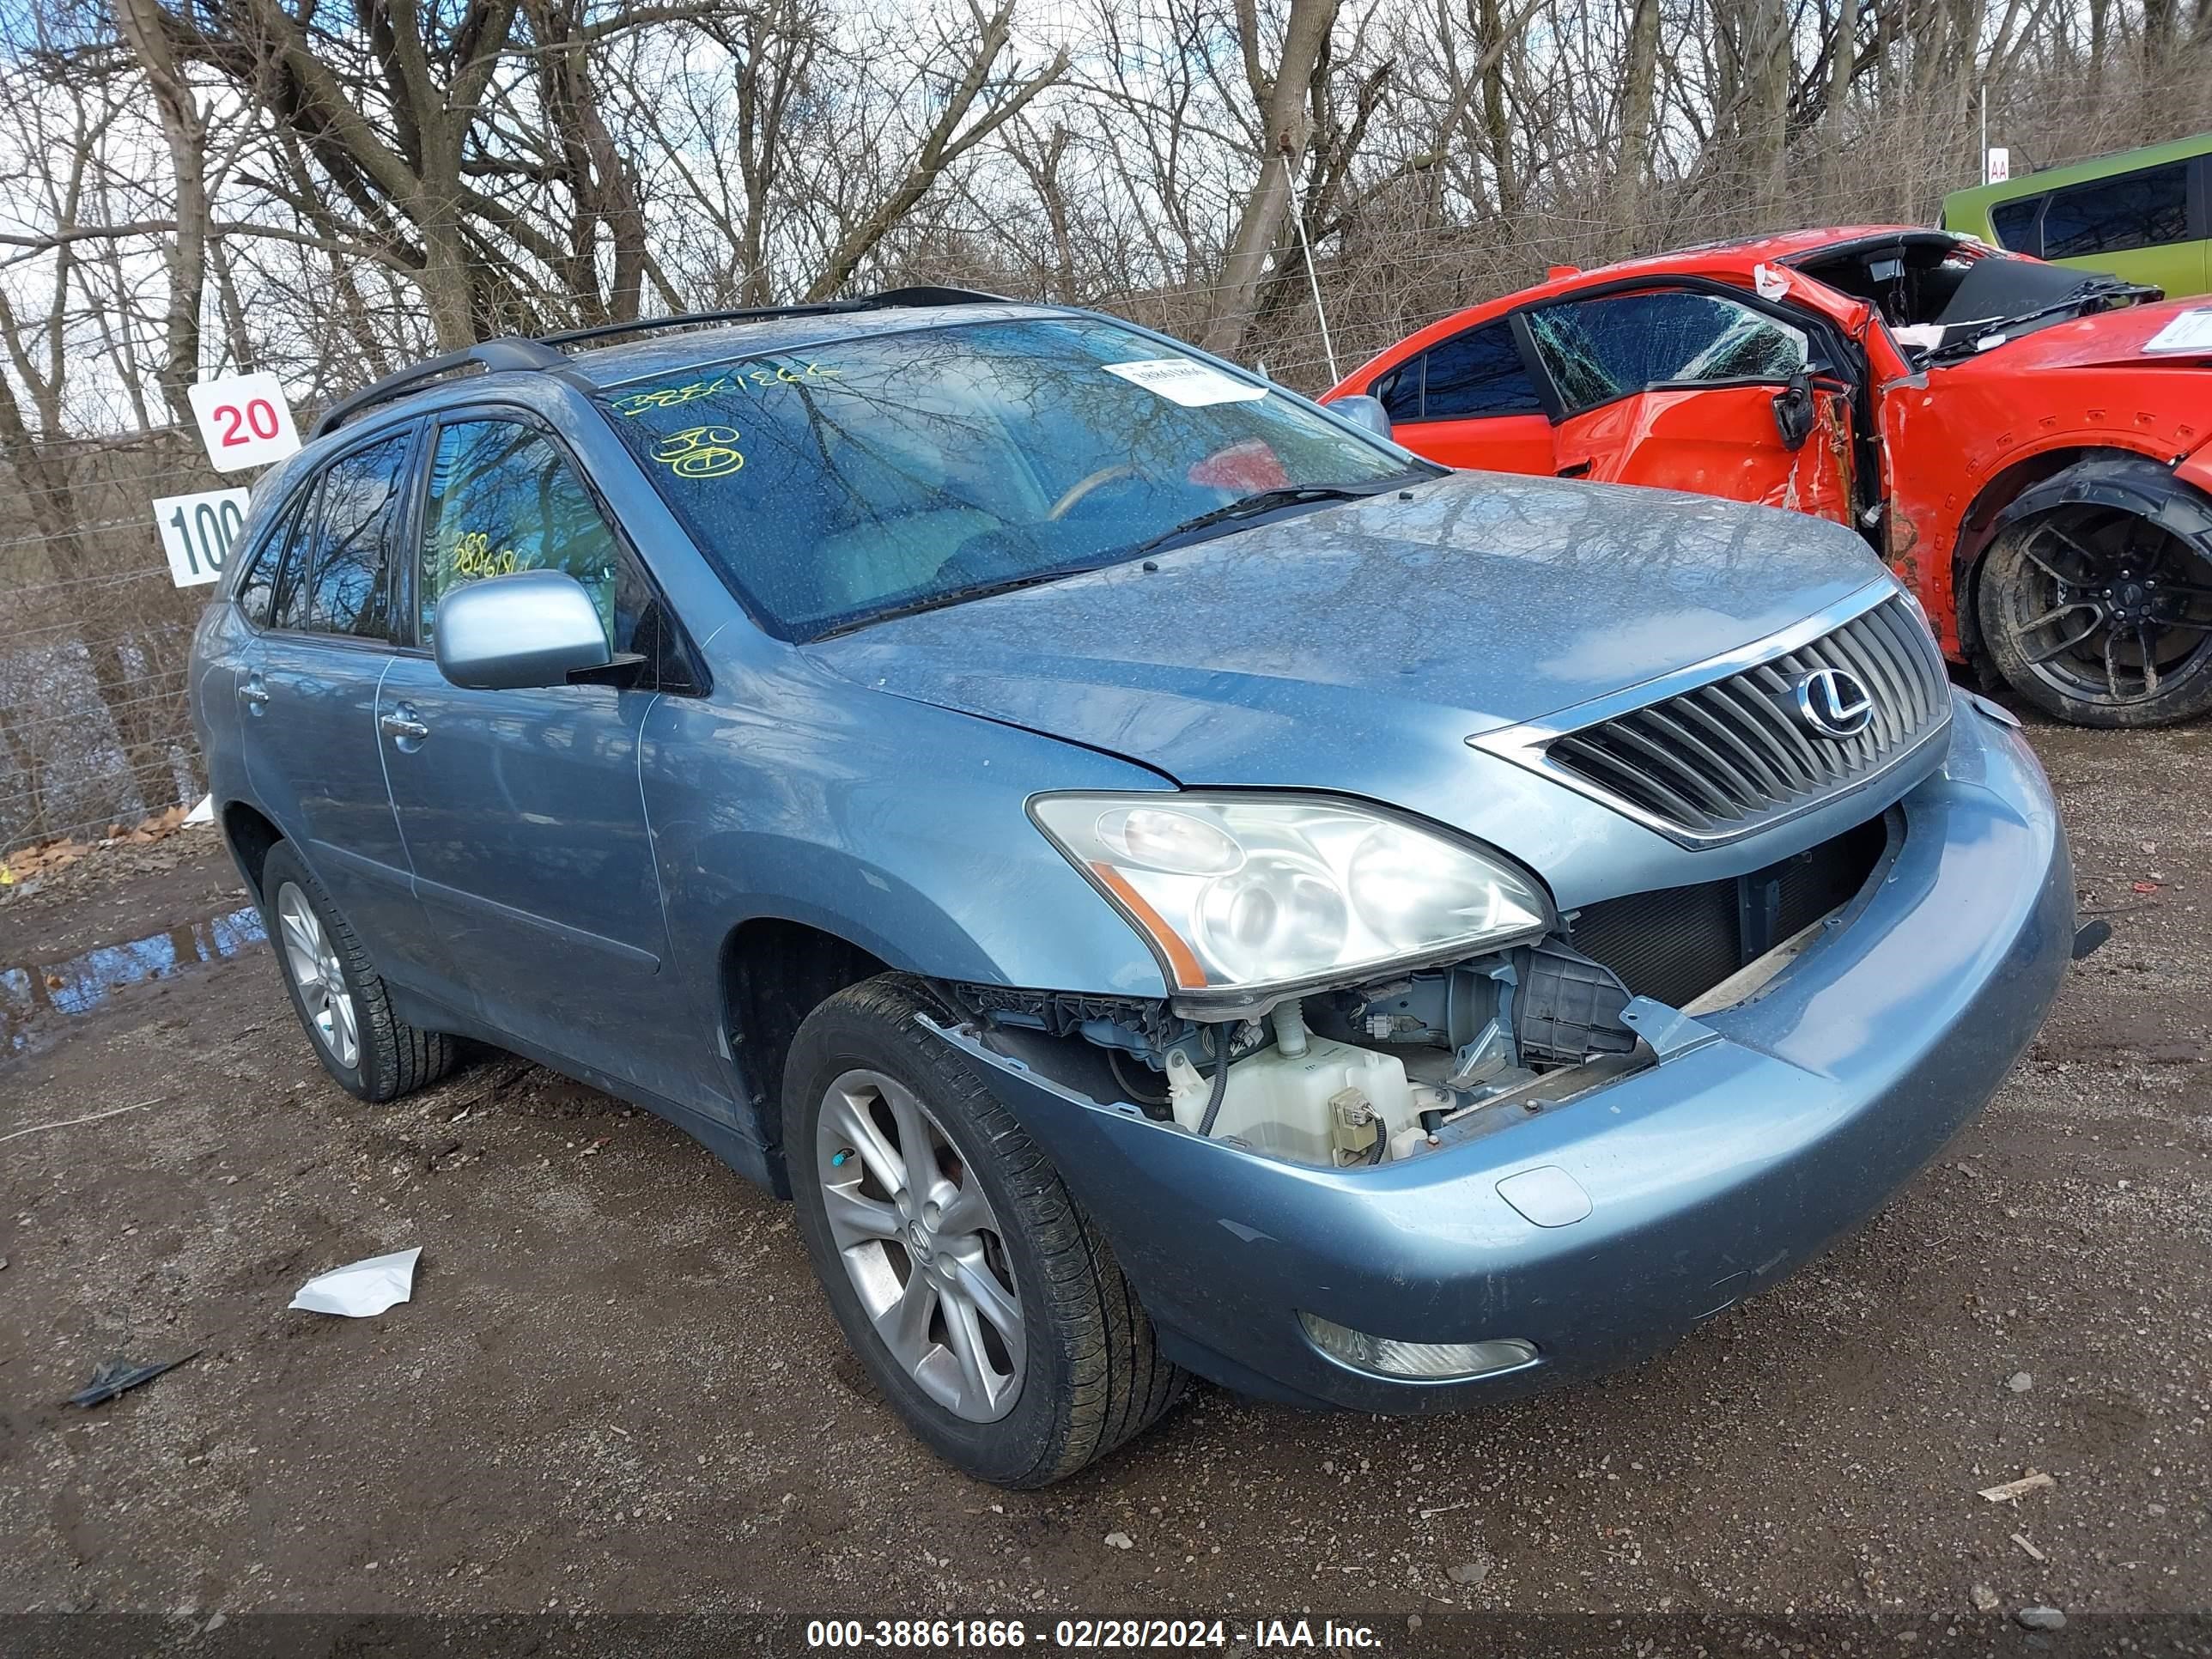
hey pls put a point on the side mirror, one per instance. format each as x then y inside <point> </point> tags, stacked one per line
<point>1364,411</point>
<point>507,633</point>
<point>1794,411</point>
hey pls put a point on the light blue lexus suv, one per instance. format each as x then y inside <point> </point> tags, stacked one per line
<point>1165,881</point>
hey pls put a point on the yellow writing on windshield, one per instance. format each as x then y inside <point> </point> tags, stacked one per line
<point>778,374</point>
<point>669,396</point>
<point>635,404</point>
<point>700,451</point>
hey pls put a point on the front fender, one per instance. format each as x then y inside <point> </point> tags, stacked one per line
<point>897,826</point>
<point>2195,469</point>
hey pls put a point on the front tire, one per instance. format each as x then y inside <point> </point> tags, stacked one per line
<point>982,1300</point>
<point>339,996</point>
<point>2099,617</point>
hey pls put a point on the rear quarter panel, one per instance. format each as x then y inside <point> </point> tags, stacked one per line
<point>217,644</point>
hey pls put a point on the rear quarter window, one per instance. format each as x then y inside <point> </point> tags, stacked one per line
<point>2014,223</point>
<point>283,566</point>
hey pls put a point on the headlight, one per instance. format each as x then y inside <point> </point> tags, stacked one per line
<point>1249,892</point>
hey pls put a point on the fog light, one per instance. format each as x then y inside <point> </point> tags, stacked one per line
<point>1424,1362</point>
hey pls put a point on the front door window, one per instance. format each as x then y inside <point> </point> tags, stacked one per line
<point>1616,344</point>
<point>504,498</point>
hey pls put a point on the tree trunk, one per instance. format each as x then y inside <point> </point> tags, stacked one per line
<point>1843,60</point>
<point>1497,111</point>
<point>1286,125</point>
<point>1636,102</point>
<point>184,129</point>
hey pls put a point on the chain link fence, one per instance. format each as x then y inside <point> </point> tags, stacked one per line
<point>94,636</point>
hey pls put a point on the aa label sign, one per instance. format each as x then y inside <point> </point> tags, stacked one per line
<point>198,531</point>
<point>244,421</point>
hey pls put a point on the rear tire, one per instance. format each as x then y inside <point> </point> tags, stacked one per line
<point>2099,616</point>
<point>868,1096</point>
<point>340,1001</point>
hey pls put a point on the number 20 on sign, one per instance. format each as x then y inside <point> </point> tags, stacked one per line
<point>200,532</point>
<point>244,421</point>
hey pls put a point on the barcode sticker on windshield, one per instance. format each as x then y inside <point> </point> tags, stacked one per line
<point>1180,380</point>
<point>2189,331</point>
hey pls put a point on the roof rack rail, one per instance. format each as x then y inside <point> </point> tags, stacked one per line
<point>918,295</point>
<point>542,351</point>
<point>508,351</point>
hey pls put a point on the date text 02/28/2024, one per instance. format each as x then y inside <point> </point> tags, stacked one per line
<point>1085,1634</point>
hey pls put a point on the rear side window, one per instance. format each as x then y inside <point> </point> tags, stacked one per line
<point>357,512</point>
<point>503,498</point>
<point>2136,210</point>
<point>1478,373</point>
<point>2014,223</point>
<point>1605,347</point>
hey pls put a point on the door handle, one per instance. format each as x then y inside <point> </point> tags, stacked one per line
<point>252,689</point>
<point>399,726</point>
<point>1574,470</point>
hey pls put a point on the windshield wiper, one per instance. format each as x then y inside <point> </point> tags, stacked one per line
<point>1265,500</point>
<point>969,591</point>
<point>2079,301</point>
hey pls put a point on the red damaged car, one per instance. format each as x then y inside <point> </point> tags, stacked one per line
<point>2028,445</point>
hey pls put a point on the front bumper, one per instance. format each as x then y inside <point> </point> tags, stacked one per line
<point>1765,1132</point>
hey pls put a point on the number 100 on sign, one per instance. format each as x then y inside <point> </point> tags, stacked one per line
<point>198,531</point>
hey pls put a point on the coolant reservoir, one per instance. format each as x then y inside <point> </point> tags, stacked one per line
<point>1303,1107</point>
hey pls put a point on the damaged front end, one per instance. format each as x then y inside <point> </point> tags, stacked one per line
<point>1395,1064</point>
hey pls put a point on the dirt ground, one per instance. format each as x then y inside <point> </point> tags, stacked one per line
<point>616,1388</point>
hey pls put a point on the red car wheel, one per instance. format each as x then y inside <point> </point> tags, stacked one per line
<point>2099,617</point>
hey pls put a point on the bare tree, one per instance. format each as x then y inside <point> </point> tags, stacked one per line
<point>1281,100</point>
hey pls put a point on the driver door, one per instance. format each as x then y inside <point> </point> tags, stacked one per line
<point>521,810</point>
<point>1681,388</point>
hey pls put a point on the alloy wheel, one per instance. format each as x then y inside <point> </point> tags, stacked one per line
<point>922,1245</point>
<point>318,977</point>
<point>2123,607</point>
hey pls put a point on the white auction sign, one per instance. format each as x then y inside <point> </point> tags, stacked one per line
<point>243,420</point>
<point>198,531</point>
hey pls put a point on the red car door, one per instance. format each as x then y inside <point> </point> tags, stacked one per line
<point>1683,388</point>
<point>1471,401</point>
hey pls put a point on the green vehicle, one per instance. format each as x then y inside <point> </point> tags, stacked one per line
<point>2144,215</point>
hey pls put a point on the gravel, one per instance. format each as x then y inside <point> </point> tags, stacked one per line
<point>617,1388</point>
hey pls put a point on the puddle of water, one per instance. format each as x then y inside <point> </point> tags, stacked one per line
<point>32,994</point>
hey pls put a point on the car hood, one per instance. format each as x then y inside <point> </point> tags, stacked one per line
<point>1325,648</point>
<point>2107,340</point>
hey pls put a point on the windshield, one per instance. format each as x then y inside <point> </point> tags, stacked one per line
<point>1999,298</point>
<point>878,474</point>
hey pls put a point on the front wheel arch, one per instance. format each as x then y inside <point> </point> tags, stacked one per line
<point>772,974</point>
<point>2101,496</point>
<point>2000,501</point>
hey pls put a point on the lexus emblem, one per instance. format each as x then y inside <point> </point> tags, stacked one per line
<point>1834,703</point>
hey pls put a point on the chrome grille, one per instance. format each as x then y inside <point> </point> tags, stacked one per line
<point>1724,758</point>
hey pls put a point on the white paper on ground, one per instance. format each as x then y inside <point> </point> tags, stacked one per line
<point>362,1288</point>
<point>1183,380</point>
<point>2189,331</point>
<point>204,813</point>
